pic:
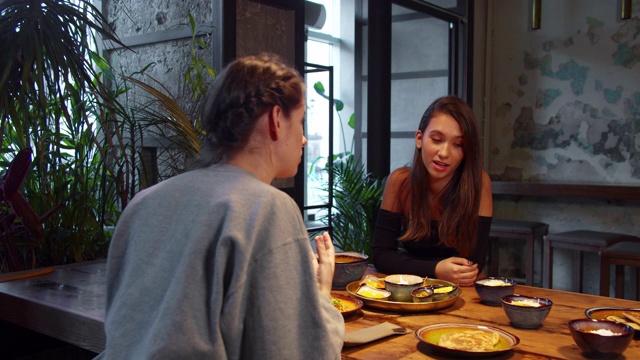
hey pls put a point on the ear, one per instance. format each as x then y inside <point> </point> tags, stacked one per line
<point>275,122</point>
<point>419,139</point>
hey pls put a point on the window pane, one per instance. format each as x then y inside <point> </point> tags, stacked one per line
<point>402,152</point>
<point>419,75</point>
<point>411,97</point>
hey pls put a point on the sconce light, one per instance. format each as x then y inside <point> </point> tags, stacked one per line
<point>535,14</point>
<point>625,12</point>
<point>315,14</point>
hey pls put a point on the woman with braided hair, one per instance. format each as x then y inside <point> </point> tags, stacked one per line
<point>216,263</point>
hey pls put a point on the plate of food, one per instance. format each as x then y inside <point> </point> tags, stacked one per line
<point>345,304</point>
<point>467,340</point>
<point>629,316</point>
<point>451,296</point>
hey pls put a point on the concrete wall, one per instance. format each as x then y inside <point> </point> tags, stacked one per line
<point>152,26</point>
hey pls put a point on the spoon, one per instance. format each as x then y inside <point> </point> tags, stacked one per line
<point>400,330</point>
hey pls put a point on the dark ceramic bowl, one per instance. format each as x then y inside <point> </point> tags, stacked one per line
<point>350,267</point>
<point>422,294</point>
<point>599,345</point>
<point>526,311</point>
<point>492,289</point>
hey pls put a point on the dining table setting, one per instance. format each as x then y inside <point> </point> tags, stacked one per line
<point>518,321</point>
<point>67,303</point>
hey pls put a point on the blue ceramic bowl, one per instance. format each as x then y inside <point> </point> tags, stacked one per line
<point>526,311</point>
<point>350,267</point>
<point>606,345</point>
<point>492,289</point>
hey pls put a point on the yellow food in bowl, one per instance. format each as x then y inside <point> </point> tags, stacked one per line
<point>422,294</point>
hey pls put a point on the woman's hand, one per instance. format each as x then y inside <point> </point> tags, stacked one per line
<point>457,270</point>
<point>326,262</point>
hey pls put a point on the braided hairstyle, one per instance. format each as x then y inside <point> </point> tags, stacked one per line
<point>246,89</point>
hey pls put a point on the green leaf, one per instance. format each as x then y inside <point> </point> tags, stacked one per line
<point>319,88</point>
<point>338,104</point>
<point>352,121</point>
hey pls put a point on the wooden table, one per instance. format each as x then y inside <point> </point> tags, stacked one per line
<point>68,304</point>
<point>551,341</point>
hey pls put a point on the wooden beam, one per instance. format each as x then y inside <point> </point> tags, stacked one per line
<point>593,191</point>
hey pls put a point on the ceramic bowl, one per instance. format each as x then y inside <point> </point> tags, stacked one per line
<point>350,267</point>
<point>492,289</point>
<point>594,344</point>
<point>422,294</point>
<point>526,311</point>
<point>401,286</point>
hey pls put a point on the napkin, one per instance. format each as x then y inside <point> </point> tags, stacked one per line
<point>373,333</point>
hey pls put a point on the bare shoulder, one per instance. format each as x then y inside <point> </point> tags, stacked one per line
<point>398,176</point>
<point>486,181</point>
<point>486,198</point>
<point>393,191</point>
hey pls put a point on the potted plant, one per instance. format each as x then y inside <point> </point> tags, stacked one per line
<point>356,199</point>
<point>65,102</point>
<point>50,98</point>
<point>356,195</point>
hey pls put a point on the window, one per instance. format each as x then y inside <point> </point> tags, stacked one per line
<point>423,55</point>
<point>322,55</point>
<point>428,48</point>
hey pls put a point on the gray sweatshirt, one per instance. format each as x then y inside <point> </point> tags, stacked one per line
<point>214,263</point>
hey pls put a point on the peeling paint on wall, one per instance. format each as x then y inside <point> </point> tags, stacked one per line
<point>572,96</point>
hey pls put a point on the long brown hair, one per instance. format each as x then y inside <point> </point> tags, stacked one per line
<point>459,201</point>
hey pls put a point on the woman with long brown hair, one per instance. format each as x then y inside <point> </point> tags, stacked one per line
<point>435,216</point>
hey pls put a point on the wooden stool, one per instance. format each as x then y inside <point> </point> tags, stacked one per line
<point>626,253</point>
<point>516,229</point>
<point>581,241</point>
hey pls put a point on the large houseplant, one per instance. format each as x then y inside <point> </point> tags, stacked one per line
<point>54,99</point>
<point>50,99</point>
<point>356,195</point>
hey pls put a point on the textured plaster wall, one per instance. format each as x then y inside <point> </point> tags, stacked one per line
<point>565,107</point>
<point>260,28</point>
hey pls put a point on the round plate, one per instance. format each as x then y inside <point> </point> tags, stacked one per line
<point>346,304</point>
<point>352,288</point>
<point>600,313</point>
<point>431,335</point>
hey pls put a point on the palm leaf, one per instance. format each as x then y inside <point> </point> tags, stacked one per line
<point>356,199</point>
<point>170,120</point>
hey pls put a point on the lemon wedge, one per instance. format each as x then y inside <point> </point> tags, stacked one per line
<point>443,290</point>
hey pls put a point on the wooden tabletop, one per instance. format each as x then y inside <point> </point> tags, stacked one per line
<point>68,304</point>
<point>551,341</point>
